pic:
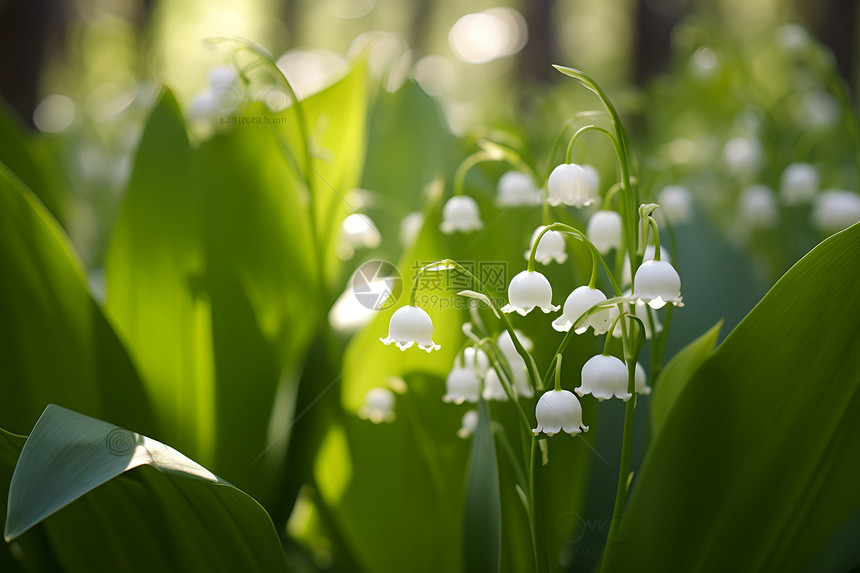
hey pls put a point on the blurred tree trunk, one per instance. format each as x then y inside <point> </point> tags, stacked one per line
<point>655,20</point>
<point>540,52</point>
<point>29,31</point>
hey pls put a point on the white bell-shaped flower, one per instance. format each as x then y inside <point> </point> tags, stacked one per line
<point>604,231</point>
<point>460,213</point>
<point>469,424</point>
<point>516,188</point>
<point>357,231</point>
<point>551,247</point>
<point>648,255</point>
<point>463,384</point>
<point>408,325</point>
<point>410,226</point>
<point>571,184</point>
<point>557,411</point>
<point>521,381</point>
<point>641,312</point>
<point>757,207</point>
<point>676,203</point>
<point>529,289</point>
<point>506,345</point>
<point>656,283</point>
<point>579,301</point>
<point>493,389</point>
<point>604,377</point>
<point>476,359</point>
<point>798,183</point>
<point>378,406</point>
<point>641,380</point>
<point>743,155</point>
<point>593,180</point>
<point>835,210</point>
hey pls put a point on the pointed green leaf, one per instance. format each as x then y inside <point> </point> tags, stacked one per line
<point>678,372</point>
<point>482,528</point>
<point>757,464</point>
<point>55,343</point>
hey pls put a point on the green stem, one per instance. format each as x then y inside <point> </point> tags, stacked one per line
<point>467,163</point>
<point>558,372</point>
<point>582,237</point>
<point>623,471</point>
<point>569,155</point>
<point>537,526</point>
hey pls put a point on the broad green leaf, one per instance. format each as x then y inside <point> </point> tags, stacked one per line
<point>55,344</point>
<point>154,297</point>
<point>181,517</point>
<point>678,372</point>
<point>336,122</point>
<point>482,527</point>
<point>757,464</point>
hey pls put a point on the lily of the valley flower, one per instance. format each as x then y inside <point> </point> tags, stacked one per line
<point>516,188</point>
<point>603,377</point>
<point>641,312</point>
<point>408,325</point>
<point>378,406</point>
<point>469,424</point>
<point>571,184</point>
<point>757,207</point>
<point>676,203</point>
<point>835,210</point>
<point>551,247</point>
<point>641,380</point>
<point>579,301</point>
<point>556,411</point>
<point>518,366</point>
<point>493,389</point>
<point>650,250</point>
<point>604,231</point>
<point>656,283</point>
<point>798,183</point>
<point>529,289</point>
<point>463,384</point>
<point>460,213</point>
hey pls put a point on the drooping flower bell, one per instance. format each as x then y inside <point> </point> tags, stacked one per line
<point>469,424</point>
<point>757,207</point>
<point>798,183</point>
<point>579,301</point>
<point>463,384</point>
<point>656,283</point>
<point>460,213</point>
<point>516,188</point>
<point>378,406</point>
<point>571,184</point>
<point>518,366</point>
<point>650,251</point>
<point>557,411</point>
<point>529,289</point>
<point>476,359</point>
<point>835,210</point>
<point>551,247</point>
<point>493,389</point>
<point>408,325</point>
<point>357,231</point>
<point>676,203</point>
<point>641,380</point>
<point>641,312</point>
<point>603,377</point>
<point>604,231</point>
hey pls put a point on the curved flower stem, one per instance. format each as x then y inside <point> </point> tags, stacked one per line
<point>464,166</point>
<point>557,372</point>
<point>629,198</point>
<point>569,155</point>
<point>582,237</point>
<point>537,525</point>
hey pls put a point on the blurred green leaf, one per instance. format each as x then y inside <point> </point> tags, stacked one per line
<point>757,464</point>
<point>138,521</point>
<point>678,372</point>
<point>20,152</point>
<point>55,344</point>
<point>153,268</point>
<point>482,527</point>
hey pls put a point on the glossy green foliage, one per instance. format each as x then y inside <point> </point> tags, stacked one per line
<point>756,465</point>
